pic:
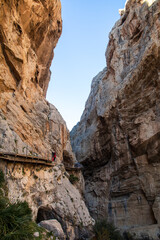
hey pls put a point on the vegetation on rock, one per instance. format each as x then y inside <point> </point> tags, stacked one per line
<point>73,179</point>
<point>16,219</point>
<point>104,230</point>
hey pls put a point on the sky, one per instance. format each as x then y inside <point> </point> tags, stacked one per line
<point>80,53</point>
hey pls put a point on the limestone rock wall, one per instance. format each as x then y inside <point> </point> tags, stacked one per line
<point>29,31</point>
<point>29,125</point>
<point>50,196</point>
<point>117,138</point>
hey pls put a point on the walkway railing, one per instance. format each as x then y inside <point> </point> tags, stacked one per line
<point>13,157</point>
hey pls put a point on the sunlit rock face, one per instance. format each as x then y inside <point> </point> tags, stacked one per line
<point>29,31</point>
<point>29,125</point>
<point>118,136</point>
<point>50,195</point>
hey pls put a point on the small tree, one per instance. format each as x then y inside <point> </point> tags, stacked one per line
<point>106,231</point>
<point>16,219</point>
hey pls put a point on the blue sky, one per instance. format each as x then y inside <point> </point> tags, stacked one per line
<point>80,53</point>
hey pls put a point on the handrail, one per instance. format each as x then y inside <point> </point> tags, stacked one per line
<point>8,156</point>
<point>73,168</point>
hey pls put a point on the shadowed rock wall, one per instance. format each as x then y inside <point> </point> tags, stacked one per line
<point>118,136</point>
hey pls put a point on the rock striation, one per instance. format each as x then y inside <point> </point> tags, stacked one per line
<point>29,125</point>
<point>29,31</point>
<point>118,136</point>
<point>51,197</point>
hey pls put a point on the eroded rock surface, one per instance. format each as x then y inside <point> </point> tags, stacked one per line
<point>29,125</point>
<point>53,226</point>
<point>50,196</point>
<point>118,137</point>
<point>29,31</point>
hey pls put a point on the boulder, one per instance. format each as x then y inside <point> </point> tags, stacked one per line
<point>53,226</point>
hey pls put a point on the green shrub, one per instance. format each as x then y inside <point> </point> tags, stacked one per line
<point>106,231</point>
<point>1,178</point>
<point>128,236</point>
<point>73,179</point>
<point>16,219</point>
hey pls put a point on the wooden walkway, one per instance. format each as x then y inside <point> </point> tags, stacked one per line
<point>73,169</point>
<point>12,157</point>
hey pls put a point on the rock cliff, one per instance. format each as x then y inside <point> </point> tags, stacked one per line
<point>29,125</point>
<point>50,195</point>
<point>118,136</point>
<point>29,31</point>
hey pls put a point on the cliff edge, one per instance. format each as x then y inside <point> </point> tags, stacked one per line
<point>29,31</point>
<point>118,136</point>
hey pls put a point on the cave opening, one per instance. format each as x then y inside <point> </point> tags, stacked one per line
<point>44,213</point>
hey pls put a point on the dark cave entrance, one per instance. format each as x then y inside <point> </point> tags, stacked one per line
<point>45,213</point>
<point>48,213</point>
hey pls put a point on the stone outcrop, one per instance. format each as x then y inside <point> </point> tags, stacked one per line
<point>29,31</point>
<point>50,195</point>
<point>118,136</point>
<point>53,226</point>
<point>29,125</point>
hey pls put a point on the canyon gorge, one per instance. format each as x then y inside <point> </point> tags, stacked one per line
<point>117,139</point>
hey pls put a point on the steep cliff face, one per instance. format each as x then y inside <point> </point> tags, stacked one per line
<point>117,138</point>
<point>29,31</point>
<point>29,125</point>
